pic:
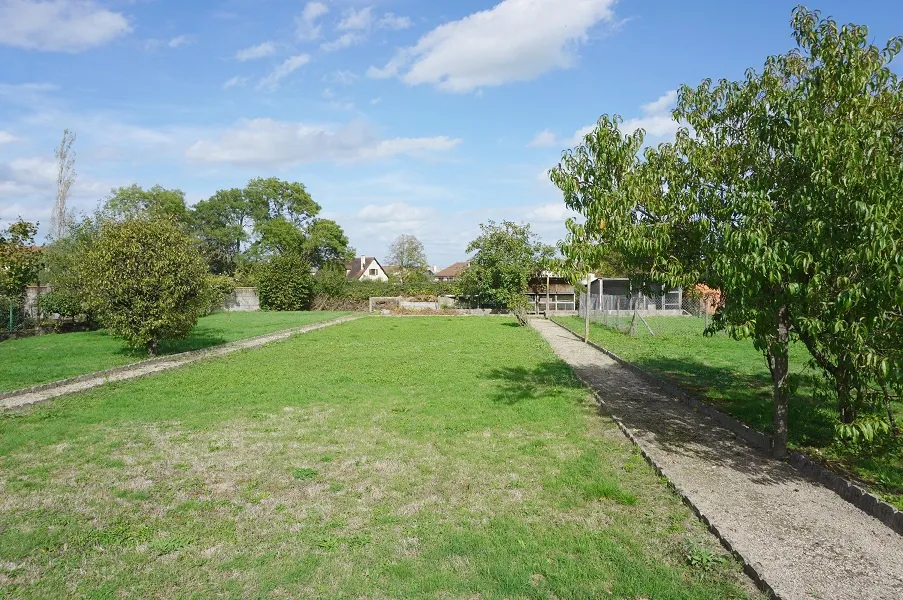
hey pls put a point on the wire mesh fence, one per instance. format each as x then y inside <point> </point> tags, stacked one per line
<point>13,315</point>
<point>663,314</point>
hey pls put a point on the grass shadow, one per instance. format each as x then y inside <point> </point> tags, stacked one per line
<point>520,384</point>
<point>749,397</point>
<point>196,341</point>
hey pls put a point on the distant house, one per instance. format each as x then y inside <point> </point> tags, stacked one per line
<point>560,294</point>
<point>365,268</point>
<point>453,272</point>
<point>617,294</point>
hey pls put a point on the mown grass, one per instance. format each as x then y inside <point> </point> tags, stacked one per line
<point>399,458</point>
<point>31,361</point>
<point>733,375</point>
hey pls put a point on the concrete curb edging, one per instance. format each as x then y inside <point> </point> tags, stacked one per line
<point>849,491</point>
<point>180,359</point>
<point>760,440</point>
<point>752,570</point>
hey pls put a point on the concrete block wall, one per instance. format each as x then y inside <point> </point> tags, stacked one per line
<point>243,299</point>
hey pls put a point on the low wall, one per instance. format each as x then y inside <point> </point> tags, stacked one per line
<point>32,293</point>
<point>406,305</point>
<point>243,299</point>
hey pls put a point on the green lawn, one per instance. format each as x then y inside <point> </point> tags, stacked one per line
<point>385,458</point>
<point>30,361</point>
<point>732,375</point>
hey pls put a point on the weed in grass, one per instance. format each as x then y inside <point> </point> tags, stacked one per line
<point>304,473</point>
<point>700,557</point>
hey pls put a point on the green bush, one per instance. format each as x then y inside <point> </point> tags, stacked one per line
<point>145,280</point>
<point>219,288</point>
<point>63,303</point>
<point>285,283</point>
<point>363,290</point>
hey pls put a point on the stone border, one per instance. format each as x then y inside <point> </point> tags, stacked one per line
<point>757,439</point>
<point>849,491</point>
<point>180,359</point>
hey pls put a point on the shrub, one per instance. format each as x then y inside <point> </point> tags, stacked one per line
<point>285,283</point>
<point>63,303</point>
<point>219,288</point>
<point>145,280</point>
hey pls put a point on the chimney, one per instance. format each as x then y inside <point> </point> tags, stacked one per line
<point>363,262</point>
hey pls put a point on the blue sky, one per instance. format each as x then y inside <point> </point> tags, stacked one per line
<point>400,116</point>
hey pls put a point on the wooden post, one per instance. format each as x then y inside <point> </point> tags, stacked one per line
<point>586,312</point>
<point>547,293</point>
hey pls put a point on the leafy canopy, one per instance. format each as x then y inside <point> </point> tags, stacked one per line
<point>505,257</point>
<point>408,256</point>
<point>145,280</point>
<point>782,191</point>
<point>19,260</point>
<point>268,217</point>
<point>285,283</point>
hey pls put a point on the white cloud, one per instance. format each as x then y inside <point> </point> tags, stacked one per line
<point>154,44</point>
<point>59,25</point>
<point>288,66</point>
<point>271,143</point>
<point>341,77</point>
<point>343,41</point>
<point>307,28</point>
<point>394,22</point>
<point>656,120</point>
<point>544,139</point>
<point>254,52</point>
<point>357,20</point>
<point>27,187</point>
<point>517,40</point>
<point>179,41</point>
<point>553,212</point>
<point>395,212</point>
<point>6,137</point>
<point>236,81</point>
<point>358,24</point>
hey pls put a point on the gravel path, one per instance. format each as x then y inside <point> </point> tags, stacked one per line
<point>801,538</point>
<point>45,392</point>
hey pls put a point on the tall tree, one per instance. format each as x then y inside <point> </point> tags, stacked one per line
<point>223,223</point>
<point>282,211</point>
<point>65,177</point>
<point>326,243</point>
<point>19,260</point>
<point>505,257</point>
<point>133,201</point>
<point>408,256</point>
<point>757,203</point>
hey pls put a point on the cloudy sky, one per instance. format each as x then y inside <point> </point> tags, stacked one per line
<point>400,116</point>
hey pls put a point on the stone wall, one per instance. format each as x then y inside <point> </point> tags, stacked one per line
<point>32,293</point>
<point>243,299</point>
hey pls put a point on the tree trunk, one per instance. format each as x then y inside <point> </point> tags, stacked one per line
<point>152,347</point>
<point>586,312</point>
<point>890,409</point>
<point>844,385</point>
<point>779,365</point>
